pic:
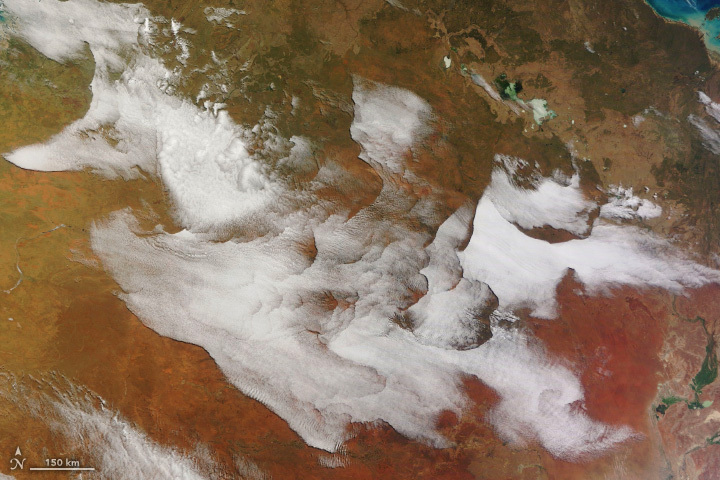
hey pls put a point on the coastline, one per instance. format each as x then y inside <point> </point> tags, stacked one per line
<point>708,37</point>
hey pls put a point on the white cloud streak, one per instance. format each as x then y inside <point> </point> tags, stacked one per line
<point>312,336</point>
<point>106,441</point>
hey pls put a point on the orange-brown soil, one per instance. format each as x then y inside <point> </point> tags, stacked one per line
<point>67,319</point>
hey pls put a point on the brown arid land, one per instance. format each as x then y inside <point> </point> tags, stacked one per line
<point>62,323</point>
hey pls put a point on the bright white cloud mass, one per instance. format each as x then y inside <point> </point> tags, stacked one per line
<point>87,427</point>
<point>341,337</point>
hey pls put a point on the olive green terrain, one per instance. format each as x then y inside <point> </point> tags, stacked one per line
<point>292,64</point>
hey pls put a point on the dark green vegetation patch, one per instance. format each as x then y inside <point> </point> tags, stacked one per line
<point>708,374</point>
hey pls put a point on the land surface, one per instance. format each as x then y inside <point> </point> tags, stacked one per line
<point>59,310</point>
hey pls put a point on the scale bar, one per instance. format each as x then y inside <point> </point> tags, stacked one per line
<point>67,469</point>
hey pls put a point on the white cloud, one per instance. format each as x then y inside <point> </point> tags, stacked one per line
<point>134,123</point>
<point>312,337</point>
<point>118,448</point>
<point>448,316</point>
<point>712,108</point>
<point>59,30</point>
<point>554,202</point>
<point>314,341</point>
<point>710,136</point>
<point>524,271</point>
<point>99,435</point>
<point>623,205</point>
<point>218,14</point>
<point>388,122</point>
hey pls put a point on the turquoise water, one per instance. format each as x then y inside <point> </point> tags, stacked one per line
<point>693,13</point>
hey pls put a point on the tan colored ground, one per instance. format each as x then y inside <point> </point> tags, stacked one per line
<point>66,317</point>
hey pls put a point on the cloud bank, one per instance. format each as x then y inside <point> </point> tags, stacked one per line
<point>326,319</point>
<point>99,435</point>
